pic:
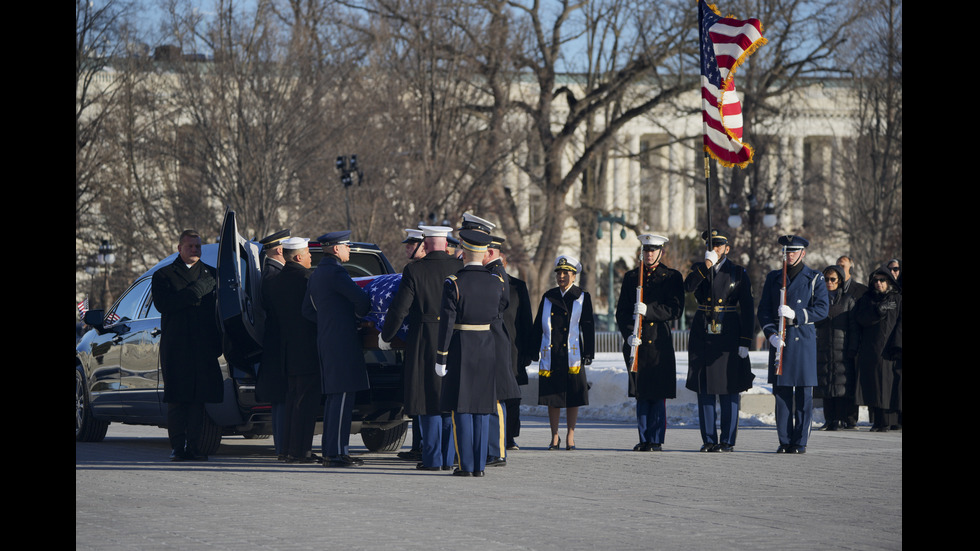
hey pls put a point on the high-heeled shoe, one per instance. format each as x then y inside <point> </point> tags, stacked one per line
<point>556,446</point>
<point>570,447</point>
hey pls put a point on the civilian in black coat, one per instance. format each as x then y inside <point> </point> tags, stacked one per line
<point>837,340</point>
<point>270,382</point>
<point>190,343</point>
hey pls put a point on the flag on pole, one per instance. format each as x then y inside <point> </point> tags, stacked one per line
<point>725,43</point>
<point>82,308</point>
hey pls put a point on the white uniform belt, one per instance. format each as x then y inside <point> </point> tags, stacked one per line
<point>471,327</point>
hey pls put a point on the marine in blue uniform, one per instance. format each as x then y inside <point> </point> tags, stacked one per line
<point>718,352</point>
<point>806,302</point>
<point>466,358</point>
<point>336,303</point>
<point>655,379</point>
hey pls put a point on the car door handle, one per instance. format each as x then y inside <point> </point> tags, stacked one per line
<point>156,331</point>
<point>117,339</point>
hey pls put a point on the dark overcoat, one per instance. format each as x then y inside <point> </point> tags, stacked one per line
<point>837,340</point>
<point>807,295</point>
<point>336,304</point>
<point>270,383</point>
<point>297,338</point>
<point>471,299</point>
<point>190,340</point>
<point>518,322</point>
<point>505,383</point>
<point>714,366</point>
<point>562,389</point>
<point>656,368</point>
<point>879,320</point>
<point>419,300</point>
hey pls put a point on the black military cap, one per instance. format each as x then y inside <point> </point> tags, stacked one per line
<point>496,242</point>
<point>474,240</point>
<point>274,240</point>
<point>717,238</point>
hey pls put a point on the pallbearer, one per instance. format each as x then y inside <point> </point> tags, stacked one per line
<point>718,351</point>
<point>661,302</point>
<point>472,299</point>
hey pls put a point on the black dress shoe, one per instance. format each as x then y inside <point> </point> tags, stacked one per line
<point>798,449</point>
<point>784,448</point>
<point>342,461</point>
<point>422,467</point>
<point>446,467</point>
<point>458,472</point>
<point>294,459</point>
<point>724,448</point>
<point>496,462</point>
<point>656,448</point>
<point>477,473</point>
<point>642,447</point>
<point>709,447</point>
<point>411,455</point>
<point>176,455</point>
<point>513,446</point>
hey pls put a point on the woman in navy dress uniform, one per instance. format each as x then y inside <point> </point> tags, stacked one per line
<point>565,331</point>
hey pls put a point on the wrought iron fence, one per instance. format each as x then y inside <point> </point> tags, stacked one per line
<point>612,341</point>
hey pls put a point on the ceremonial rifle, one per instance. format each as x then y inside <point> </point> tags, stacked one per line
<point>782,320</point>
<point>638,319</point>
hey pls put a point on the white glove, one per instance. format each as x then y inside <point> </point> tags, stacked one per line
<point>743,351</point>
<point>383,345</point>
<point>786,312</point>
<point>710,256</point>
<point>775,341</point>
<point>640,308</point>
<point>633,341</point>
<point>441,370</point>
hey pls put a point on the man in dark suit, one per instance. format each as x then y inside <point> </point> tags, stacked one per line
<point>270,382</point>
<point>297,350</point>
<point>190,343</point>
<point>471,300</point>
<point>335,303</point>
<point>418,300</point>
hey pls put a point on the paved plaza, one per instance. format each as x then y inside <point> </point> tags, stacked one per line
<point>844,493</point>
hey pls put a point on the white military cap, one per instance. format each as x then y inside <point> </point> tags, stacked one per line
<point>413,236</point>
<point>295,243</point>
<point>435,231</point>
<point>570,263</point>
<point>471,222</point>
<point>651,240</point>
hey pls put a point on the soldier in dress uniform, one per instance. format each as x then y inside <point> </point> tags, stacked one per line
<point>297,350</point>
<point>414,250</point>
<point>472,299</point>
<point>418,300</point>
<point>270,382</point>
<point>718,351</point>
<point>806,302</point>
<point>506,384</point>
<point>336,303</point>
<point>519,323</point>
<point>655,379</point>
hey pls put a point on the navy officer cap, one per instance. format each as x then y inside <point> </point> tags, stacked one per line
<point>335,238</point>
<point>717,238</point>
<point>793,242</point>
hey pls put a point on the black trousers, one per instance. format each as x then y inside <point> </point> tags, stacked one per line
<point>184,423</point>
<point>302,405</point>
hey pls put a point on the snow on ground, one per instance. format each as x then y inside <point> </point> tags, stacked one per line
<point>608,399</point>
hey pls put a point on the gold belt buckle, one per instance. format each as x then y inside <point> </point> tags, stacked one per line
<point>714,328</point>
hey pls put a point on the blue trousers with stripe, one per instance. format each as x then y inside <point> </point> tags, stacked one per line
<point>471,430</point>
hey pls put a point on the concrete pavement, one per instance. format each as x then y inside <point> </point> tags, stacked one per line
<point>845,493</point>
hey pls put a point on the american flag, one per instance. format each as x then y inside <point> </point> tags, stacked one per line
<point>725,43</point>
<point>382,289</point>
<point>82,308</point>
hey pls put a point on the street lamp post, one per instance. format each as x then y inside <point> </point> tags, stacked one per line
<point>347,166</point>
<point>105,258</point>
<point>611,316</point>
